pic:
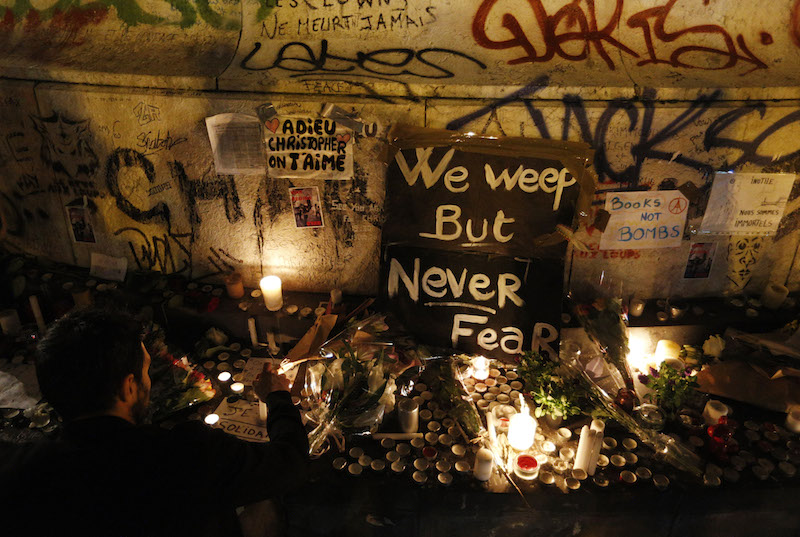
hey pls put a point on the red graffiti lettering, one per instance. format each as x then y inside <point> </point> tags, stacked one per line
<point>573,32</point>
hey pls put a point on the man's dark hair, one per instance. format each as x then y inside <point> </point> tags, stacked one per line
<point>84,358</point>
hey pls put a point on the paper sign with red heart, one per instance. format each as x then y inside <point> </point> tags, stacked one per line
<point>343,137</point>
<point>272,125</point>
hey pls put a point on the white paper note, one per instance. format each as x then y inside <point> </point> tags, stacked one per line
<point>652,219</point>
<point>236,143</point>
<point>747,203</point>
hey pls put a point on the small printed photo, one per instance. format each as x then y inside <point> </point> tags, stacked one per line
<point>306,206</point>
<point>701,257</point>
<point>80,224</point>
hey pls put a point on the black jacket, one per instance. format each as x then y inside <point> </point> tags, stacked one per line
<point>106,477</point>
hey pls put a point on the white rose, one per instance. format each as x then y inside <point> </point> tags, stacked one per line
<point>714,346</point>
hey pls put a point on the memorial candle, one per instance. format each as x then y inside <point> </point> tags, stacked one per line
<point>271,292</point>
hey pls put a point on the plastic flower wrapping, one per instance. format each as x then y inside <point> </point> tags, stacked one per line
<point>354,381</point>
<point>666,448</point>
<point>177,384</point>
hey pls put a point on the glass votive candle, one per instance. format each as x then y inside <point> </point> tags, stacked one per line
<point>526,467</point>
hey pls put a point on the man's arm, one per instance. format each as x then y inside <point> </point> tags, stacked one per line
<point>241,472</point>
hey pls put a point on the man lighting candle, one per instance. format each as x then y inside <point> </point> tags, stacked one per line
<point>108,474</point>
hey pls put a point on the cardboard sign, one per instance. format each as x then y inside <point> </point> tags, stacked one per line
<point>652,219</point>
<point>305,147</point>
<point>497,306</point>
<point>241,419</point>
<point>747,203</point>
<point>445,198</point>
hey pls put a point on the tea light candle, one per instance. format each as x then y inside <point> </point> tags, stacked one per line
<point>237,387</point>
<point>774,295</point>
<point>225,376</point>
<point>713,411</point>
<point>212,419</point>
<point>272,293</point>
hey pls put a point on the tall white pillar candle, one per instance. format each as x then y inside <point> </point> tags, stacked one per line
<point>484,464</point>
<point>271,292</point>
<point>37,314</point>
<point>585,446</point>
<point>599,427</point>
<point>251,328</point>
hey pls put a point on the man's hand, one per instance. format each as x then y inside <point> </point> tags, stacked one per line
<point>269,381</point>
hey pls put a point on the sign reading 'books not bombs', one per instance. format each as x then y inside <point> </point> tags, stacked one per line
<point>472,258</point>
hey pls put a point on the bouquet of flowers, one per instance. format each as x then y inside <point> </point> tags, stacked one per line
<point>665,447</point>
<point>353,384</point>
<point>554,393</point>
<point>604,321</point>
<point>671,387</point>
<point>442,376</point>
<point>177,384</point>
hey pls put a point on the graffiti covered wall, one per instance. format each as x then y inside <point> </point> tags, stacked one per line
<point>667,92</point>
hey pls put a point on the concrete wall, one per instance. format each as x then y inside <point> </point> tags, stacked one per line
<point>104,105</point>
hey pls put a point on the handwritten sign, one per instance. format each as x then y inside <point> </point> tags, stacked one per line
<point>241,419</point>
<point>497,306</point>
<point>457,200</point>
<point>307,147</point>
<point>747,203</point>
<point>639,220</point>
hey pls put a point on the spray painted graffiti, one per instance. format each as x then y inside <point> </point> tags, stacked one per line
<point>66,146</point>
<point>640,115</point>
<point>573,32</point>
<point>72,15</point>
<point>302,60</point>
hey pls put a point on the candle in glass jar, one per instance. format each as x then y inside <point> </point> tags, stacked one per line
<point>234,286</point>
<point>271,292</point>
<point>480,366</point>
<point>521,431</point>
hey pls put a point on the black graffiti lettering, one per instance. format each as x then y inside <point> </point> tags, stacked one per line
<point>223,188</point>
<point>130,158</point>
<point>300,58</point>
